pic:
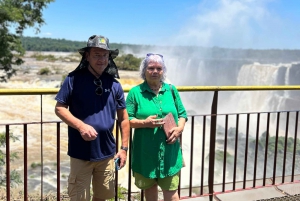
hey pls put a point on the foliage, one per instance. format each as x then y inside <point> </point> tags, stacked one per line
<point>44,71</point>
<point>280,144</point>
<point>262,139</point>
<point>14,175</point>
<point>34,165</point>
<point>17,15</point>
<point>122,192</point>
<point>63,45</point>
<point>219,156</point>
<point>128,62</point>
<point>263,56</point>
<point>41,57</point>
<point>54,45</point>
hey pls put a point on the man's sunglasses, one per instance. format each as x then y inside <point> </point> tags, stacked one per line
<point>99,89</point>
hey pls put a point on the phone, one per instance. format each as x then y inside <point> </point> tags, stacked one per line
<point>117,164</point>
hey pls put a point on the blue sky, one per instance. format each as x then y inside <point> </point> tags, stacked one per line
<point>255,24</point>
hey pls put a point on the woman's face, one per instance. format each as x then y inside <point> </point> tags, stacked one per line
<point>154,72</point>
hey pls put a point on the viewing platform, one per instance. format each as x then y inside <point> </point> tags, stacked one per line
<point>229,156</point>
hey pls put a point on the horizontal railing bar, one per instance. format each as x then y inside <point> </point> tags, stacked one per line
<point>195,115</point>
<point>34,122</point>
<point>236,88</point>
<point>271,112</point>
<point>45,91</point>
<point>29,91</point>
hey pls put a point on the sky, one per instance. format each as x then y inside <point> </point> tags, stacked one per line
<point>247,24</point>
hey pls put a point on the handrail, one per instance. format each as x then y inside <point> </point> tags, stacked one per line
<point>212,135</point>
<point>47,91</point>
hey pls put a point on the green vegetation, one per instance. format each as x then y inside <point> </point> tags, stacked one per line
<point>258,154</point>
<point>280,144</point>
<point>41,57</point>
<point>34,165</point>
<point>128,62</point>
<point>121,193</point>
<point>272,55</point>
<point>75,57</point>
<point>44,71</point>
<point>124,62</point>
<point>219,156</point>
<point>63,45</point>
<point>54,45</point>
<point>17,16</point>
<point>15,177</point>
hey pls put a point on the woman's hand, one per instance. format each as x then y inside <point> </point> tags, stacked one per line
<point>152,122</point>
<point>175,134</point>
<point>176,131</point>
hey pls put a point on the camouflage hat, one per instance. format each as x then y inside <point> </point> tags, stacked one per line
<point>100,42</point>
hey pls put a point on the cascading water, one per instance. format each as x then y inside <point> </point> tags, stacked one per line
<point>268,75</point>
<point>193,71</point>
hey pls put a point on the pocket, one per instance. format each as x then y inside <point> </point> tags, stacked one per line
<point>72,185</point>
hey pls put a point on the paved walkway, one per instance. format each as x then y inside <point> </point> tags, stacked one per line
<point>289,192</point>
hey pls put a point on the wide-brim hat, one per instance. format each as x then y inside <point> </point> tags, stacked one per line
<point>100,42</point>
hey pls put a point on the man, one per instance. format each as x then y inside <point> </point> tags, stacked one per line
<point>88,102</point>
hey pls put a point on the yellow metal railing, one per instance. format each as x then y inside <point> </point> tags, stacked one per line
<point>213,119</point>
<point>31,91</point>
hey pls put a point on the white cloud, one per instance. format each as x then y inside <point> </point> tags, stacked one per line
<point>227,23</point>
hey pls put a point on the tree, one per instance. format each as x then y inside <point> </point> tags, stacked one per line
<point>128,62</point>
<point>15,177</point>
<point>16,16</point>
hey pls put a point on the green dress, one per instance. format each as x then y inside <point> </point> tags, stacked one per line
<point>152,157</point>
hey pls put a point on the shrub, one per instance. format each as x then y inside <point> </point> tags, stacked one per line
<point>34,165</point>
<point>44,71</point>
<point>14,175</point>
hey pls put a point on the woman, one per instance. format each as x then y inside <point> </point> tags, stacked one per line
<point>156,159</point>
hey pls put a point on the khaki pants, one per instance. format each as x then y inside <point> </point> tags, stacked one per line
<point>101,173</point>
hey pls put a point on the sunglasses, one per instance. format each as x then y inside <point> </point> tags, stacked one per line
<point>151,54</point>
<point>99,89</point>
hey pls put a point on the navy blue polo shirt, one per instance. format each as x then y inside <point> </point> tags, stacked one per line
<point>78,92</point>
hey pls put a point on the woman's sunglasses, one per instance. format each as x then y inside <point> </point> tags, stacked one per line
<point>99,89</point>
<point>150,54</point>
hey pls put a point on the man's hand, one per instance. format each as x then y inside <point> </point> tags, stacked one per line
<point>87,132</point>
<point>122,154</point>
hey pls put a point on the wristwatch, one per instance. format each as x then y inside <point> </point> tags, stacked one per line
<point>124,148</point>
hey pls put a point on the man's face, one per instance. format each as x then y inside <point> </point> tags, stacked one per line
<point>98,58</point>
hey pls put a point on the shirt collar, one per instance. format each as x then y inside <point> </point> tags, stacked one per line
<point>145,87</point>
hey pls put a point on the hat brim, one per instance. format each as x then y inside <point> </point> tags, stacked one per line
<point>113,53</point>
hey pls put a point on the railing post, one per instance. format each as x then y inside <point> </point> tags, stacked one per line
<point>7,163</point>
<point>129,167</point>
<point>42,152</point>
<point>213,126</point>
<point>25,164</point>
<point>58,160</point>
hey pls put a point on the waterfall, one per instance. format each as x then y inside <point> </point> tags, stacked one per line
<point>194,71</point>
<point>268,75</point>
